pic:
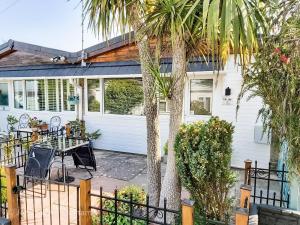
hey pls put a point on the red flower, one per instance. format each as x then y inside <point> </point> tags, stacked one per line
<point>277,50</point>
<point>285,59</point>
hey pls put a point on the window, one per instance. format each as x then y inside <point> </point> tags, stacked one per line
<point>18,94</point>
<point>54,95</point>
<point>94,95</point>
<point>3,94</point>
<point>201,92</point>
<point>123,96</point>
<point>164,105</point>
<point>68,90</point>
<point>35,95</point>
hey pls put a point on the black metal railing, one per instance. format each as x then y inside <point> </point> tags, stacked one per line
<point>269,186</point>
<point>15,148</point>
<point>112,209</point>
<point>3,194</point>
<point>47,201</point>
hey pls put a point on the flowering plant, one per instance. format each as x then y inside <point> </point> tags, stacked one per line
<point>34,122</point>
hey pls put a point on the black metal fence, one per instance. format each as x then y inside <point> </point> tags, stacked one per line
<point>15,147</point>
<point>114,210</point>
<point>3,194</point>
<point>270,186</point>
<point>47,202</point>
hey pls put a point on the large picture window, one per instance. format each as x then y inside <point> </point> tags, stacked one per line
<point>201,93</point>
<point>3,94</point>
<point>94,95</point>
<point>18,94</point>
<point>123,96</point>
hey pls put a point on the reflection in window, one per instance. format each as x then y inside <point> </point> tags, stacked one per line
<point>94,95</point>
<point>123,96</point>
<point>35,94</point>
<point>3,94</point>
<point>201,93</point>
<point>18,94</point>
<point>68,90</point>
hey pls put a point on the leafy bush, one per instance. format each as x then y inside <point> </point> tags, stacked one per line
<point>138,196</point>
<point>203,154</point>
<point>165,148</point>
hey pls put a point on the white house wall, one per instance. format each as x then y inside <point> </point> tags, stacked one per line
<point>127,133</point>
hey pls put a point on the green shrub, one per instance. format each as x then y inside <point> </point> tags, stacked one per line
<point>138,196</point>
<point>203,154</point>
<point>3,191</point>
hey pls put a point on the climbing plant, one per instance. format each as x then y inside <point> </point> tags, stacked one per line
<point>275,77</point>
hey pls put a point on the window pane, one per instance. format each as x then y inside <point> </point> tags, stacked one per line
<point>35,94</point>
<point>94,95</point>
<point>3,94</point>
<point>68,90</point>
<point>123,96</point>
<point>18,94</point>
<point>53,96</point>
<point>201,96</point>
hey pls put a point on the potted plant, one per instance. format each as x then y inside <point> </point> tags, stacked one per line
<point>11,122</point>
<point>33,123</point>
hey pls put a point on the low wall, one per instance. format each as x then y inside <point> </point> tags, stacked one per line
<point>269,215</point>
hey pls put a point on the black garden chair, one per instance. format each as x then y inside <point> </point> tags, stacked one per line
<point>84,156</point>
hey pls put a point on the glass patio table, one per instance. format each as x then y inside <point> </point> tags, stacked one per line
<point>64,146</point>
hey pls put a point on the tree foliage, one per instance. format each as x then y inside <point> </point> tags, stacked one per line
<point>274,76</point>
<point>203,154</point>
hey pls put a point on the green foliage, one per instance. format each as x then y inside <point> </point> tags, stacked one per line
<point>11,121</point>
<point>94,135</point>
<point>203,154</point>
<point>3,191</point>
<point>122,95</point>
<point>138,196</point>
<point>274,76</point>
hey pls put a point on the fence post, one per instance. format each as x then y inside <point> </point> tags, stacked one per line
<point>241,216</point>
<point>12,198</point>
<point>245,196</point>
<point>187,212</point>
<point>248,164</point>
<point>85,202</point>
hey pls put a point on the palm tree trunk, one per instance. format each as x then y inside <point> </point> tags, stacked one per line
<point>171,189</point>
<point>152,118</point>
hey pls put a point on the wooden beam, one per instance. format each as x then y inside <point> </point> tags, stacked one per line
<point>85,202</point>
<point>12,198</point>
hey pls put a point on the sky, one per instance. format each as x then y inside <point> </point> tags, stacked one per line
<point>49,23</point>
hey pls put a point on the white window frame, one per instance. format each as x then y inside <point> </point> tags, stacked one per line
<point>199,76</point>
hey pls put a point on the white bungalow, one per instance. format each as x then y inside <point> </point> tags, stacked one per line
<point>39,81</point>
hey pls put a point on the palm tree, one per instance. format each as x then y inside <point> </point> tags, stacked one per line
<point>104,15</point>
<point>225,27</point>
